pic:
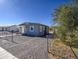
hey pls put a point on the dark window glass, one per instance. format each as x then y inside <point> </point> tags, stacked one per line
<point>31,28</point>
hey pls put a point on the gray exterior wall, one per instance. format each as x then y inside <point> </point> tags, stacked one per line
<point>35,32</point>
<point>38,30</point>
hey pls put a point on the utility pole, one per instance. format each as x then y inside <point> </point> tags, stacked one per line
<point>12,36</point>
<point>6,33</point>
<point>2,31</point>
<point>47,36</point>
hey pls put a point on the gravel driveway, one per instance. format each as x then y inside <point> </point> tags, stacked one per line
<point>23,47</point>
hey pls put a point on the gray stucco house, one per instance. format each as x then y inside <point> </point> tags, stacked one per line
<point>33,29</point>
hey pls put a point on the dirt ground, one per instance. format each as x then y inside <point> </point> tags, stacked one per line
<point>58,50</point>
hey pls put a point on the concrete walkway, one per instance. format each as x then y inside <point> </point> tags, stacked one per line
<point>5,54</point>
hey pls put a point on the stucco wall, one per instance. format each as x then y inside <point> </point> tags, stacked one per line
<point>37,31</point>
<point>32,33</point>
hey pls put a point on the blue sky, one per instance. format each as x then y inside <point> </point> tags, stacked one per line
<point>19,11</point>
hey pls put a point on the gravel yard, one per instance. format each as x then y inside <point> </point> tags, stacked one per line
<point>23,47</point>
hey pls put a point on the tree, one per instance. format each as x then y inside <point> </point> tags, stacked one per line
<point>67,18</point>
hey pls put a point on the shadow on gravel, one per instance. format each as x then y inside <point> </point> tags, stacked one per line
<point>50,36</point>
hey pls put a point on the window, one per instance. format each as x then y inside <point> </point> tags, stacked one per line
<point>31,28</point>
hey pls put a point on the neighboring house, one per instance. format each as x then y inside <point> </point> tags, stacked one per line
<point>33,29</point>
<point>3,28</point>
<point>13,28</point>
